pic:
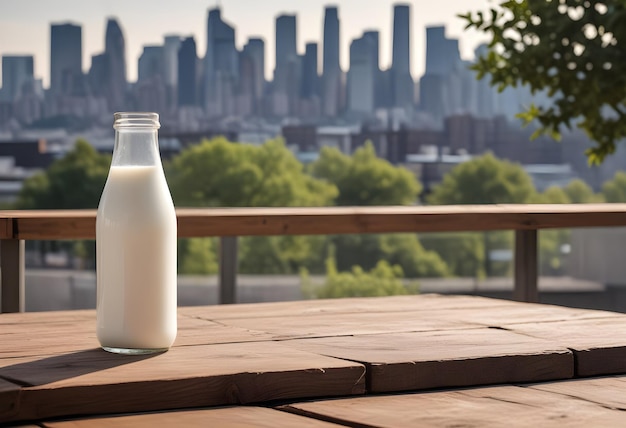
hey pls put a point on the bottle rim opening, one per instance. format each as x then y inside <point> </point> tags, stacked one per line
<point>135,120</point>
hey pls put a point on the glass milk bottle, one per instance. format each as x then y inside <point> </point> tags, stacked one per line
<point>136,244</point>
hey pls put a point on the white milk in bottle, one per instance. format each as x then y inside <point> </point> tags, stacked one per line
<point>136,244</point>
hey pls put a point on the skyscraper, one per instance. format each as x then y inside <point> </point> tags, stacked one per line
<point>17,70</point>
<point>361,76</point>
<point>99,75</point>
<point>151,64</point>
<point>220,65</point>
<point>331,70</point>
<point>442,54</point>
<point>115,81</point>
<point>403,87</point>
<point>254,50</point>
<point>309,87</point>
<point>440,85</point>
<point>170,67</point>
<point>286,72</point>
<point>286,40</point>
<point>486,95</point>
<point>186,74</point>
<point>379,90</point>
<point>66,56</point>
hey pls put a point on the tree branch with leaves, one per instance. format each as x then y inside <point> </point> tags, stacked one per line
<point>574,50</point>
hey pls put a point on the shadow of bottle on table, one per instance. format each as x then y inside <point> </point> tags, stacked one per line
<point>66,366</point>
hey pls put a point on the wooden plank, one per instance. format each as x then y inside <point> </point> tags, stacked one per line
<point>67,335</point>
<point>598,344</point>
<point>96,382</point>
<point>230,417</point>
<point>385,315</point>
<point>303,308</point>
<point>506,314</point>
<point>325,325</point>
<point>80,224</point>
<point>407,361</point>
<point>500,406</point>
<point>606,391</point>
<point>51,317</point>
<point>9,396</point>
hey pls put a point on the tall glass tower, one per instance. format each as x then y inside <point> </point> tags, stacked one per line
<point>66,57</point>
<point>331,70</point>
<point>115,51</point>
<point>187,79</point>
<point>403,87</point>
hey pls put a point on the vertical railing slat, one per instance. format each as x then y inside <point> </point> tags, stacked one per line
<point>12,275</point>
<point>526,270</point>
<point>228,270</point>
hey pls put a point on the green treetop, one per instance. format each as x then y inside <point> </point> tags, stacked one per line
<point>73,182</point>
<point>484,180</point>
<point>614,190</point>
<point>220,173</point>
<point>366,179</point>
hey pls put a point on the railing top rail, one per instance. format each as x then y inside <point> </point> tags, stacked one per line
<point>80,224</point>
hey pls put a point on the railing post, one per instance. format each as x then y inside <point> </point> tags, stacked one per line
<point>228,269</point>
<point>12,275</point>
<point>526,270</point>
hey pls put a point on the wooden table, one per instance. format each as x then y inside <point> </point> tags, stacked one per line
<point>315,363</point>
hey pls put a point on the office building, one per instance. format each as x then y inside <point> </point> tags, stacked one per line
<point>403,87</point>
<point>115,80</point>
<point>362,74</point>
<point>17,71</point>
<point>66,57</point>
<point>187,64</point>
<point>221,67</point>
<point>331,69</point>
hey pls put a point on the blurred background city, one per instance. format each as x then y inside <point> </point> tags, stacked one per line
<point>297,104</point>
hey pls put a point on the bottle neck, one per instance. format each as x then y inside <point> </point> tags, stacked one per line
<point>136,147</point>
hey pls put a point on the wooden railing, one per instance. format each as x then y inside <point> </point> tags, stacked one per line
<point>228,224</point>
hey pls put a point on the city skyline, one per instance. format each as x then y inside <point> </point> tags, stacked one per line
<point>21,25</point>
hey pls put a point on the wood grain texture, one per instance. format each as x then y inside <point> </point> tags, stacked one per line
<point>64,333</point>
<point>599,344</point>
<point>304,308</point>
<point>80,224</point>
<point>500,406</point>
<point>231,417</point>
<point>606,391</point>
<point>96,382</point>
<point>506,314</point>
<point>334,325</point>
<point>406,361</point>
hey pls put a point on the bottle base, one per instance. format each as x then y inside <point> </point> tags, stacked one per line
<point>133,351</point>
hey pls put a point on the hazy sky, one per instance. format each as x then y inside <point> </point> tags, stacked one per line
<point>25,24</point>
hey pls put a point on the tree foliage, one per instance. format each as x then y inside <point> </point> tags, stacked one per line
<point>403,250</point>
<point>366,179</point>
<point>484,180</point>
<point>383,280</point>
<point>73,182</point>
<point>614,190</point>
<point>573,50</point>
<point>219,173</point>
<point>579,192</point>
<point>463,253</point>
